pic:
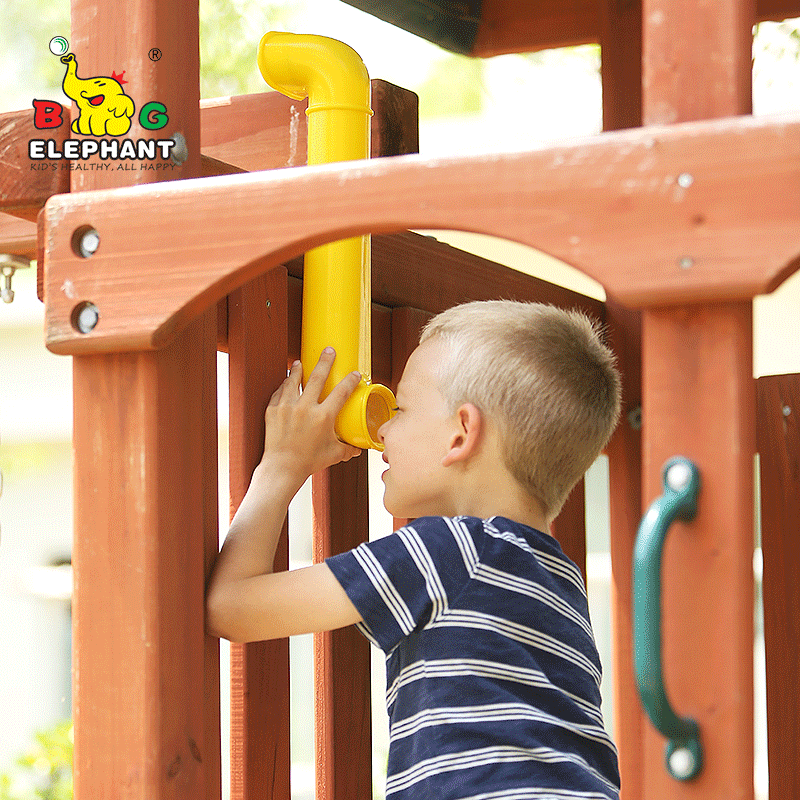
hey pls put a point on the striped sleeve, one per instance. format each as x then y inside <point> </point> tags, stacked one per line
<point>403,581</point>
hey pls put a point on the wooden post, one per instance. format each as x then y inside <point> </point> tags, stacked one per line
<point>146,678</point>
<point>621,54</point>
<point>257,346</point>
<point>778,447</point>
<point>698,401</point>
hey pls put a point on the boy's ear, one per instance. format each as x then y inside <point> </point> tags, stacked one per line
<point>466,435</point>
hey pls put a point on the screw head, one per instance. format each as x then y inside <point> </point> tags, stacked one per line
<point>85,242</point>
<point>786,411</point>
<point>681,762</point>
<point>678,476</point>
<point>685,180</point>
<point>686,262</point>
<point>85,317</point>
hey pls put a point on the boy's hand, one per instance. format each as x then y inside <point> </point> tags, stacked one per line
<point>300,438</point>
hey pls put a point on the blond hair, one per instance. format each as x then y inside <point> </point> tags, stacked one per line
<point>545,377</point>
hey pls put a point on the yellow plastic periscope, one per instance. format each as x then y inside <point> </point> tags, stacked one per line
<point>336,278</point>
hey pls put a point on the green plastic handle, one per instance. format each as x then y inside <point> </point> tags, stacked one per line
<point>681,481</point>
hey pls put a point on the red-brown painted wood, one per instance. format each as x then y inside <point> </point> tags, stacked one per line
<point>257,341</point>
<point>779,450</point>
<point>145,676</point>
<point>569,527</point>
<point>342,705</point>
<point>624,453</point>
<point>699,402</point>
<point>621,53</point>
<point>614,206</point>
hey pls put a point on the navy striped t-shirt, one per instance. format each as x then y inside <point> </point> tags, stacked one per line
<point>493,677</point>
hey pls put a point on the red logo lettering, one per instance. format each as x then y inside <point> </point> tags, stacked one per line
<point>47,114</point>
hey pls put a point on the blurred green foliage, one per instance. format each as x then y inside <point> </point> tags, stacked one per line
<point>45,771</point>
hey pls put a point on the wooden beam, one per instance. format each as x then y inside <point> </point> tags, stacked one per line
<point>522,26</point>
<point>257,339</point>
<point>25,184</point>
<point>268,130</point>
<point>685,213</point>
<point>17,236</point>
<point>779,450</point>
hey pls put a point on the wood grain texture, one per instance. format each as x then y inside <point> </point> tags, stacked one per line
<point>342,699</point>
<point>526,25</point>
<point>145,676</point>
<point>25,184</point>
<point>624,453</point>
<point>613,206</point>
<point>698,401</point>
<point>257,359</point>
<point>779,450</point>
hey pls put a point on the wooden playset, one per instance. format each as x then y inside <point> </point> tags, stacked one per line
<point>683,218</point>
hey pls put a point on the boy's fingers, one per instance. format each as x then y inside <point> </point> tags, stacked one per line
<point>316,380</point>
<point>339,394</point>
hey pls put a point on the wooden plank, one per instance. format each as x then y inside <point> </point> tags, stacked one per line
<point>699,401</point>
<point>23,189</point>
<point>342,715</point>
<point>779,448</point>
<point>257,330</point>
<point>146,692</point>
<point>17,236</point>
<point>677,214</point>
<point>624,453</point>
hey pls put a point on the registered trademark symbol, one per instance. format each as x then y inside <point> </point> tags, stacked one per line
<point>154,54</point>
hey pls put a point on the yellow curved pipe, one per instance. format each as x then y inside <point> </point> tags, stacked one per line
<point>336,277</point>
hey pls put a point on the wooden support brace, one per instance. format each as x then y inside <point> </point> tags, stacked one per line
<point>650,214</point>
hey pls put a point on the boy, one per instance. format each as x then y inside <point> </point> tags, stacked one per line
<point>492,672</point>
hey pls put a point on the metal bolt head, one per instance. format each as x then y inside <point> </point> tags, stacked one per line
<point>685,180</point>
<point>678,476</point>
<point>180,152</point>
<point>88,242</point>
<point>786,411</point>
<point>85,317</point>
<point>686,262</point>
<point>681,762</point>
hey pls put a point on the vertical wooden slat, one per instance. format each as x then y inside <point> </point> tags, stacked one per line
<point>699,402</point>
<point>407,325</point>
<point>145,521</point>
<point>624,453</point>
<point>146,678</point>
<point>569,527</point>
<point>257,347</point>
<point>342,707</point>
<point>779,450</point>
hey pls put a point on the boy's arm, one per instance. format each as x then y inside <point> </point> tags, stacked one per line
<point>245,600</point>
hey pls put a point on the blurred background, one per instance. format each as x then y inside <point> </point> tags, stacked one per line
<point>464,108</point>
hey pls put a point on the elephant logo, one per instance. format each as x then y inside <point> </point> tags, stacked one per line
<point>103,106</point>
